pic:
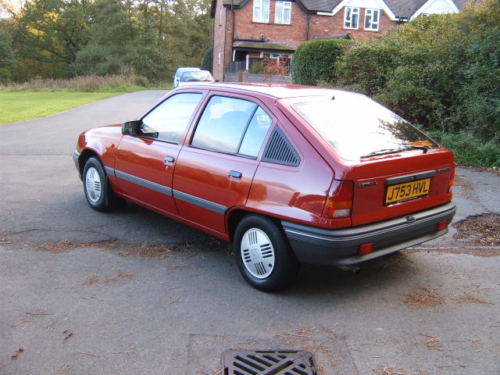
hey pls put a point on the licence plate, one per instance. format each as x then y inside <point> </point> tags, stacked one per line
<point>407,191</point>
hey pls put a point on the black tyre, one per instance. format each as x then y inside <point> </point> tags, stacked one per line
<point>97,188</point>
<point>263,254</point>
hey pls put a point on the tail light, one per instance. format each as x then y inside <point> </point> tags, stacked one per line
<point>451,182</point>
<point>339,203</point>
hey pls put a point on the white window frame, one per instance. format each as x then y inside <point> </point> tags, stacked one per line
<point>261,11</point>
<point>280,12</point>
<point>370,17</point>
<point>275,57</point>
<point>348,13</point>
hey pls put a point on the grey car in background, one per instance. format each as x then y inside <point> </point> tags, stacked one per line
<point>179,73</point>
<point>195,76</point>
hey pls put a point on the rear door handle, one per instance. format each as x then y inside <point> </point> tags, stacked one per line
<point>234,174</point>
<point>169,159</point>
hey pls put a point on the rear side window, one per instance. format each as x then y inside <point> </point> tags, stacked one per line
<point>171,118</point>
<point>232,126</point>
<point>255,134</point>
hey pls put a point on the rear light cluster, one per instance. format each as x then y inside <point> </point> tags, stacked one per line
<point>451,182</point>
<point>339,203</point>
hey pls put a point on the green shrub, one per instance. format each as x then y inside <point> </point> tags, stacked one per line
<point>470,150</point>
<point>315,61</point>
<point>423,94</point>
<point>257,68</point>
<point>366,66</point>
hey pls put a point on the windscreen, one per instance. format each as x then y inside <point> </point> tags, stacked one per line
<point>201,75</point>
<point>358,127</point>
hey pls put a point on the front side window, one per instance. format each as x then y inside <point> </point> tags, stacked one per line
<point>171,118</point>
<point>261,11</point>
<point>232,126</point>
<point>283,12</point>
<point>372,18</point>
<point>351,18</point>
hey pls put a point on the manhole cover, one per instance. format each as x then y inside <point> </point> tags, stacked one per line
<point>268,362</point>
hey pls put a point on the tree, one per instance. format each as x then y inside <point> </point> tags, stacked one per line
<point>48,36</point>
<point>6,57</point>
<point>64,38</point>
<point>111,35</point>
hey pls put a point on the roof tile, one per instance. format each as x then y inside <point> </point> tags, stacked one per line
<point>400,8</point>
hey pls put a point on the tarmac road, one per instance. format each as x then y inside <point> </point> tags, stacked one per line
<point>132,292</point>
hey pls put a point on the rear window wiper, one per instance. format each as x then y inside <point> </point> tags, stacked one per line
<point>384,151</point>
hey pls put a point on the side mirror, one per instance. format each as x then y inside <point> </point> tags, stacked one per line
<point>132,128</point>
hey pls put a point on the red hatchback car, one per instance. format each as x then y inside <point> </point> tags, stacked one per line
<point>289,174</point>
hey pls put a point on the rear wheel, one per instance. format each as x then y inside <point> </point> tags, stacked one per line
<point>263,255</point>
<point>97,188</point>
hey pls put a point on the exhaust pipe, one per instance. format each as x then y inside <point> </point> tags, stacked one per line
<point>353,268</point>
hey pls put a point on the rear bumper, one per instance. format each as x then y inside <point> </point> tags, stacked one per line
<point>339,247</point>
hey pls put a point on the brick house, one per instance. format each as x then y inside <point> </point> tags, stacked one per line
<point>250,31</point>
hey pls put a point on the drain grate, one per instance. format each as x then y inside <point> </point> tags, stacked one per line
<point>268,362</point>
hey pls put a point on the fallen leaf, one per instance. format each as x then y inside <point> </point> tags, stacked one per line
<point>17,354</point>
<point>67,334</point>
<point>423,297</point>
<point>432,342</point>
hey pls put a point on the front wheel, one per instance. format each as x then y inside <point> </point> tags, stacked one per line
<point>96,187</point>
<point>263,255</point>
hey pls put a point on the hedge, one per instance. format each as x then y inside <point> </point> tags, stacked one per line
<point>366,67</point>
<point>314,61</point>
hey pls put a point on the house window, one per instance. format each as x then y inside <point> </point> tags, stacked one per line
<point>351,18</point>
<point>372,18</point>
<point>283,14</point>
<point>261,11</point>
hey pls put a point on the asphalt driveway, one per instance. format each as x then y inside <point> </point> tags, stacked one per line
<point>132,292</point>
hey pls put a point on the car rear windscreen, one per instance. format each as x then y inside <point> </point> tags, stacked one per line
<point>358,127</point>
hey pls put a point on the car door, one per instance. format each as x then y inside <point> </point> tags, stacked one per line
<point>145,163</point>
<point>215,169</point>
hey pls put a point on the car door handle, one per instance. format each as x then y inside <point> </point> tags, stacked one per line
<point>169,159</point>
<point>234,174</point>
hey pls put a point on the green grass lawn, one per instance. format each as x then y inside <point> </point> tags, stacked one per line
<point>18,106</point>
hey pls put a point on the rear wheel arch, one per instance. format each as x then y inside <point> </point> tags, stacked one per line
<point>235,216</point>
<point>263,254</point>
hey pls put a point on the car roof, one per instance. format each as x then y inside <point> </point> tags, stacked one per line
<point>278,91</point>
<point>195,70</point>
<point>187,68</point>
